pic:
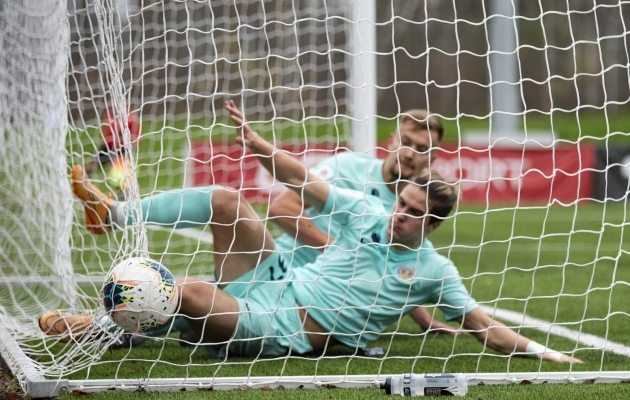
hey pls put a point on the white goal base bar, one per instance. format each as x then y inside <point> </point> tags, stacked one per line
<point>37,386</point>
<point>333,381</point>
<point>27,371</point>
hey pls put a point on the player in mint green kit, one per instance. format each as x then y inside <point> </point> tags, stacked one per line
<point>403,275</point>
<point>345,170</point>
<point>381,270</point>
<point>410,150</point>
<point>362,284</point>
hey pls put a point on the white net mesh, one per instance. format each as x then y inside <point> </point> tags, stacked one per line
<point>532,95</point>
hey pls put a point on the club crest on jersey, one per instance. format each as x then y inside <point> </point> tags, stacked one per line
<point>324,172</point>
<point>405,272</point>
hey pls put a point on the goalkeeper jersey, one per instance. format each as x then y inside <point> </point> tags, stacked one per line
<point>360,285</point>
<point>359,172</point>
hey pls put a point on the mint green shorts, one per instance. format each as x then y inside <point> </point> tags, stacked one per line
<point>269,323</point>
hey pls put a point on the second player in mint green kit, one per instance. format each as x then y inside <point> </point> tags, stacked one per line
<point>410,149</point>
<point>362,284</point>
<point>359,172</point>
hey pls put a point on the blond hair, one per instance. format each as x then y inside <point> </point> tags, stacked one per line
<point>441,195</point>
<point>423,120</point>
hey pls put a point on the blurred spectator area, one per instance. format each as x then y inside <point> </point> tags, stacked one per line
<point>187,57</point>
<point>435,54</point>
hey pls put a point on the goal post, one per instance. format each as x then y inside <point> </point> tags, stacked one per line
<point>363,77</point>
<point>36,209</point>
<point>539,235</point>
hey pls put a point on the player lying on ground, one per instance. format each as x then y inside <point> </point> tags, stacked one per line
<point>410,150</point>
<point>266,308</point>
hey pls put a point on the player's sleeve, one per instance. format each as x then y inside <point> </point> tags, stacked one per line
<point>450,294</point>
<point>328,169</point>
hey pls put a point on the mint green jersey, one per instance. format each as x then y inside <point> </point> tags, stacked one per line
<point>360,285</point>
<point>358,172</point>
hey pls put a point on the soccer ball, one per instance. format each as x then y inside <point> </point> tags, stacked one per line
<point>139,294</point>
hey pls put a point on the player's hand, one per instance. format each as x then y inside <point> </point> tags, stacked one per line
<point>563,358</point>
<point>246,136</point>
<point>443,329</point>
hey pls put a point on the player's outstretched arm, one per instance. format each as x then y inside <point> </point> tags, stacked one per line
<point>422,317</point>
<point>503,339</point>
<point>281,165</point>
<point>287,211</point>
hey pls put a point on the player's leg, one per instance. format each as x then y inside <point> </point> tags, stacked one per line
<point>241,240</point>
<point>263,321</point>
<point>209,311</point>
<point>176,208</point>
<point>201,305</point>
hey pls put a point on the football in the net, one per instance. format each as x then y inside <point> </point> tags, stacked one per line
<point>139,294</point>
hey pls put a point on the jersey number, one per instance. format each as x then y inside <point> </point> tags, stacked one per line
<point>282,268</point>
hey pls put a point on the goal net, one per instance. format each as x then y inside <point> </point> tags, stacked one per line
<point>533,98</point>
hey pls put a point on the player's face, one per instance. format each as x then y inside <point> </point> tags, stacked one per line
<point>410,152</point>
<point>409,222</point>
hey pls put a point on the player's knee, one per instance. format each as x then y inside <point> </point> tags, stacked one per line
<point>189,288</point>
<point>225,203</point>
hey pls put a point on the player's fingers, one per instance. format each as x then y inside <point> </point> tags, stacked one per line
<point>237,120</point>
<point>231,107</point>
<point>232,112</point>
<point>567,359</point>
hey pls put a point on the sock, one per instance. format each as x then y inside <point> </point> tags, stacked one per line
<point>105,323</point>
<point>186,208</point>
